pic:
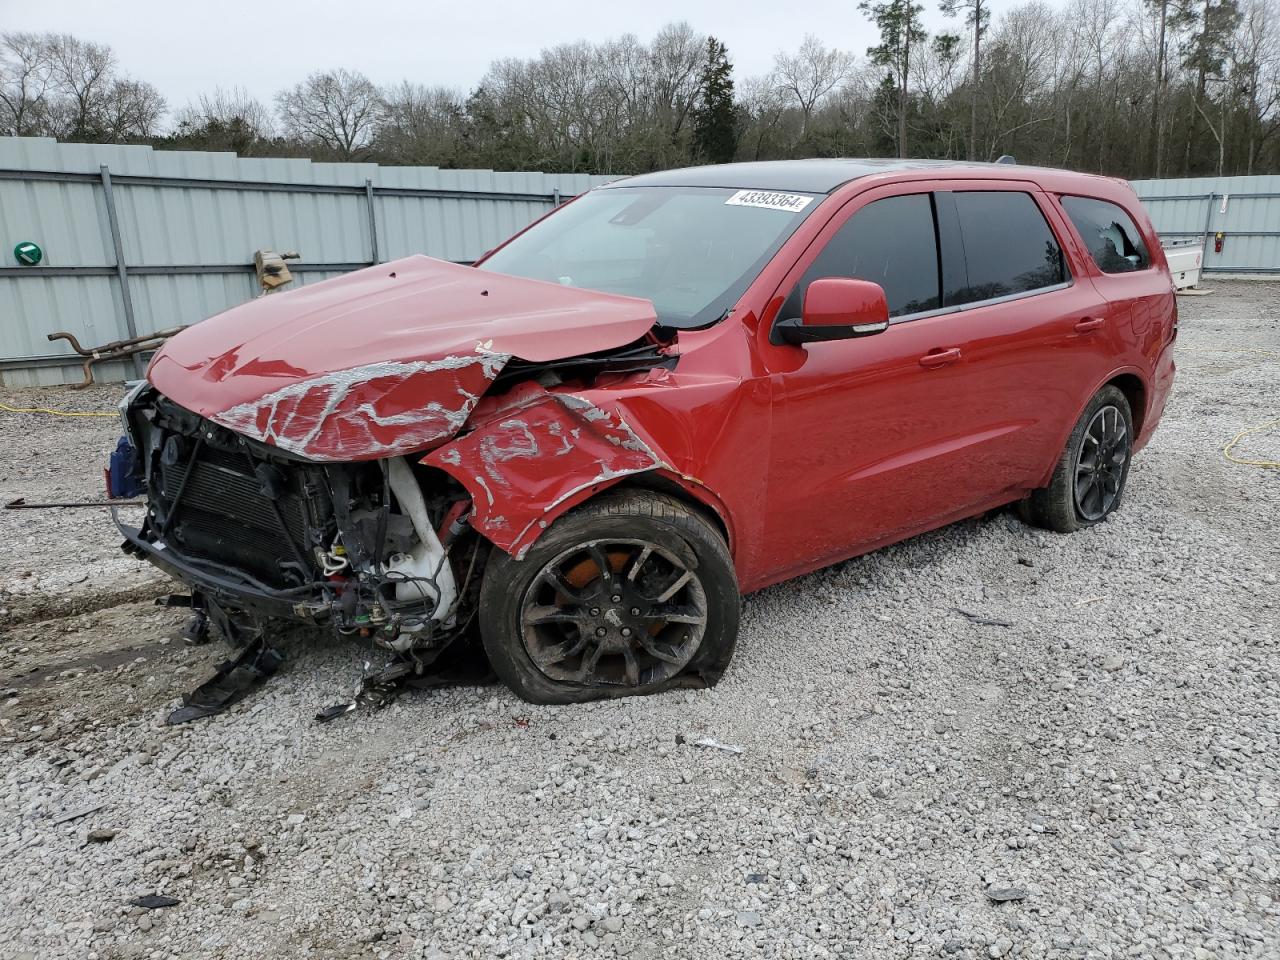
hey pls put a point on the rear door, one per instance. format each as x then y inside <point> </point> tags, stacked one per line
<point>1139,297</point>
<point>1037,329</point>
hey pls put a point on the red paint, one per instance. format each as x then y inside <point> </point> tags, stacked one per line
<point>535,452</point>
<point>840,301</point>
<point>384,360</point>
<point>813,454</point>
<point>808,455</point>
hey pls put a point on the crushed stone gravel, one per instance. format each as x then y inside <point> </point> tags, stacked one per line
<point>988,741</point>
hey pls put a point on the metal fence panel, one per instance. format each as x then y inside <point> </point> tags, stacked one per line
<point>188,225</point>
<point>1245,209</point>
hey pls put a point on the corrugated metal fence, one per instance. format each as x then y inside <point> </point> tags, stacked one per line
<point>1245,209</point>
<point>137,240</point>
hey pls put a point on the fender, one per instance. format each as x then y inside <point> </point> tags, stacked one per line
<point>1128,370</point>
<point>538,455</point>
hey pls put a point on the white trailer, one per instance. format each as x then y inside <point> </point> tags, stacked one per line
<point>1186,257</point>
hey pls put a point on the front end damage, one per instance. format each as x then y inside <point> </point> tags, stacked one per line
<point>262,525</point>
<point>347,456</point>
<point>368,548</point>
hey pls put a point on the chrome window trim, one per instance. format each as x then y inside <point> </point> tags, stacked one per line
<point>976,304</point>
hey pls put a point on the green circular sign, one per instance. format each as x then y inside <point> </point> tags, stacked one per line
<point>28,254</point>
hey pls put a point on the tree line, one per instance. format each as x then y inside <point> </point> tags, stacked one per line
<point>1152,88</point>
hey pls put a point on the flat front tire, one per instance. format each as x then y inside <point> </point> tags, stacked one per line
<point>1089,479</point>
<point>631,593</point>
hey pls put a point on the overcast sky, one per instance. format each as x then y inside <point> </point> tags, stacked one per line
<point>191,46</point>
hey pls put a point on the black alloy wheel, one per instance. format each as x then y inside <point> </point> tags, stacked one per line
<point>614,612</point>
<point>631,593</point>
<point>1101,463</point>
<point>1089,479</point>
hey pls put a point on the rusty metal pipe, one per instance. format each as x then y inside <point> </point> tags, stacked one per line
<point>113,345</point>
<point>116,350</point>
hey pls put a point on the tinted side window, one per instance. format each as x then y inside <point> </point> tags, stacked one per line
<point>1008,246</point>
<point>1110,234</point>
<point>892,242</point>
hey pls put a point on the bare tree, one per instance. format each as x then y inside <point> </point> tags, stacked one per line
<point>1256,66</point>
<point>130,109</point>
<point>675,57</point>
<point>25,76</point>
<point>1020,63</point>
<point>809,74</point>
<point>763,104</point>
<point>422,125</point>
<point>58,85</point>
<point>83,73</point>
<point>339,109</point>
<point>225,120</point>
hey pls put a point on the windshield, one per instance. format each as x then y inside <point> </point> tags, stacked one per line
<point>692,251</point>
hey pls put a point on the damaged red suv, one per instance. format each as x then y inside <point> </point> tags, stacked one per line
<point>675,389</point>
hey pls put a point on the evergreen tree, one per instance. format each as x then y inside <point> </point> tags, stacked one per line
<point>900,33</point>
<point>977,15</point>
<point>715,119</point>
<point>1209,28</point>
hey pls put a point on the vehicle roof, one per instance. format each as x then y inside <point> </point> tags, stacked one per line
<point>824,175</point>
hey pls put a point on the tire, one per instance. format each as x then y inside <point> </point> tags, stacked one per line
<point>557,627</point>
<point>1083,494</point>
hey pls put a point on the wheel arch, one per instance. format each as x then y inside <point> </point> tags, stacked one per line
<point>687,490</point>
<point>1129,382</point>
<point>1135,391</point>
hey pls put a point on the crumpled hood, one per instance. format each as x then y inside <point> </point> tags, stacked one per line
<point>383,361</point>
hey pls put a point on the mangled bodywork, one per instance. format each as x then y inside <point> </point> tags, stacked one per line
<point>372,410</point>
<point>533,455</point>
<point>321,455</point>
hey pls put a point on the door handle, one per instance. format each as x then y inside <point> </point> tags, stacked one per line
<point>1089,324</point>
<point>939,358</point>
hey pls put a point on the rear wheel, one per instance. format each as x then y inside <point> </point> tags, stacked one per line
<point>632,593</point>
<point>1088,482</point>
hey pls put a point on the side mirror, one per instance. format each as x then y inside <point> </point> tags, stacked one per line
<point>837,308</point>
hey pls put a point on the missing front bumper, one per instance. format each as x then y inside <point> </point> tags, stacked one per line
<point>230,587</point>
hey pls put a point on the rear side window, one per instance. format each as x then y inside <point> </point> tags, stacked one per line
<point>1008,247</point>
<point>892,242</point>
<point>1110,234</point>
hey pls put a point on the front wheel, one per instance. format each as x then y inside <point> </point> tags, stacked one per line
<point>632,593</point>
<point>1088,482</point>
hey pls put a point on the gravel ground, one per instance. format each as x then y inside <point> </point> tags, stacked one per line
<point>1104,766</point>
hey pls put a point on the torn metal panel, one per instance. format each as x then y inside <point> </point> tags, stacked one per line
<point>534,455</point>
<point>363,413</point>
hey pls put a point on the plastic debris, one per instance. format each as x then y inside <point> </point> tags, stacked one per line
<point>154,901</point>
<point>230,683</point>
<point>980,620</point>
<point>714,744</point>
<point>77,813</point>
<point>1006,894</point>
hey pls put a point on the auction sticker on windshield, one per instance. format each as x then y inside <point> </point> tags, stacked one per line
<point>790,202</point>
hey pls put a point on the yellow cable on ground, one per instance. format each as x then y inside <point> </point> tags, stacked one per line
<point>1269,464</point>
<point>55,413</point>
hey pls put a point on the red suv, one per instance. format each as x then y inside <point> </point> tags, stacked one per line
<point>675,389</point>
